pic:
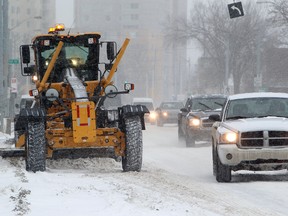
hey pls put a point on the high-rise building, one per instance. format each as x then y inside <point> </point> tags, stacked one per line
<point>20,22</point>
<point>151,62</point>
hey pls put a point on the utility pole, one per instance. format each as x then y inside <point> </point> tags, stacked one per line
<point>227,56</point>
<point>3,60</point>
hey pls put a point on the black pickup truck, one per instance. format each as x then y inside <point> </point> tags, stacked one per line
<point>193,120</point>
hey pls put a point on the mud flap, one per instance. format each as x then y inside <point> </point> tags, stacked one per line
<point>84,123</point>
<point>20,122</point>
<point>135,110</point>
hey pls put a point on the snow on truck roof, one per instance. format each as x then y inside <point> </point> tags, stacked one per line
<point>257,95</point>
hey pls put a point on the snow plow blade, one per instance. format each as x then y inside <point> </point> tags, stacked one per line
<point>66,153</point>
<point>12,153</point>
<point>77,153</point>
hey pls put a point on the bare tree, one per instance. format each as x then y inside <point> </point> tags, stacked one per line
<point>278,12</point>
<point>231,43</point>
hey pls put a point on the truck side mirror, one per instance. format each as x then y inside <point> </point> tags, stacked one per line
<point>25,54</point>
<point>184,109</point>
<point>215,117</point>
<point>111,51</point>
<point>28,71</point>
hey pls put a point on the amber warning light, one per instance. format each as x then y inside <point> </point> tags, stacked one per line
<point>56,29</point>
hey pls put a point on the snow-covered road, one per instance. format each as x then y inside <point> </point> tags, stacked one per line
<point>174,180</point>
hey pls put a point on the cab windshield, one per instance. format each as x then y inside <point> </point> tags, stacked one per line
<point>257,108</point>
<point>75,53</point>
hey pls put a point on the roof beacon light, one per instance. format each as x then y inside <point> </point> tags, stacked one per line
<point>56,29</point>
<point>51,30</point>
<point>60,27</point>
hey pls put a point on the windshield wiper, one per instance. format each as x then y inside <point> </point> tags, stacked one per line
<point>205,105</point>
<point>237,117</point>
<point>220,104</point>
<point>262,116</point>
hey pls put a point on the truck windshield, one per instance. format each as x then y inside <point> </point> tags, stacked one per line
<point>257,108</point>
<point>76,55</point>
<point>203,104</point>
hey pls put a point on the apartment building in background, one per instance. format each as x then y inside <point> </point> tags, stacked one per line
<point>155,65</point>
<point>20,21</point>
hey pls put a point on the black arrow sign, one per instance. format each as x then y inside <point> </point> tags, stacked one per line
<point>235,10</point>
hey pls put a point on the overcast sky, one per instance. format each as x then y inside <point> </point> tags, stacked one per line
<point>65,12</point>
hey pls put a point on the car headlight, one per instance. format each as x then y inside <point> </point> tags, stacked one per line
<point>229,137</point>
<point>165,114</point>
<point>152,115</point>
<point>194,122</point>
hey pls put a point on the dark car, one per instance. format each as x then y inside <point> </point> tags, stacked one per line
<point>167,112</point>
<point>193,120</point>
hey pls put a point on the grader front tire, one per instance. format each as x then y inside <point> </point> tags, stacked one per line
<point>35,146</point>
<point>132,160</point>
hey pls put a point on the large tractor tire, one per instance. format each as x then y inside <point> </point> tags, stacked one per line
<point>132,160</point>
<point>35,146</point>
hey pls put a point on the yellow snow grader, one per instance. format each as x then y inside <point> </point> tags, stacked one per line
<point>68,118</point>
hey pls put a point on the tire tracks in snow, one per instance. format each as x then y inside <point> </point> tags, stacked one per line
<point>161,190</point>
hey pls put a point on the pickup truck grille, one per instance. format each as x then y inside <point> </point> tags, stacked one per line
<point>207,123</point>
<point>260,139</point>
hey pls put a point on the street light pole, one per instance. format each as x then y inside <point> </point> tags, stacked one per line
<point>3,58</point>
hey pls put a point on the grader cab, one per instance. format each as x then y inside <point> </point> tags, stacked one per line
<point>67,117</point>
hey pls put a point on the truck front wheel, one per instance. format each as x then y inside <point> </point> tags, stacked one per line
<point>223,172</point>
<point>132,160</point>
<point>35,146</point>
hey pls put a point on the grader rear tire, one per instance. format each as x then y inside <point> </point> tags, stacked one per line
<point>132,160</point>
<point>35,146</point>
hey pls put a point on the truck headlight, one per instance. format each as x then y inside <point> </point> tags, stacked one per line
<point>152,115</point>
<point>165,114</point>
<point>194,122</point>
<point>229,137</point>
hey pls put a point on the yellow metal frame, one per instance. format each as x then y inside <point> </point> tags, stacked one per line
<point>115,64</point>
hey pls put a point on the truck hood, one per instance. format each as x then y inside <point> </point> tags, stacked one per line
<point>257,124</point>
